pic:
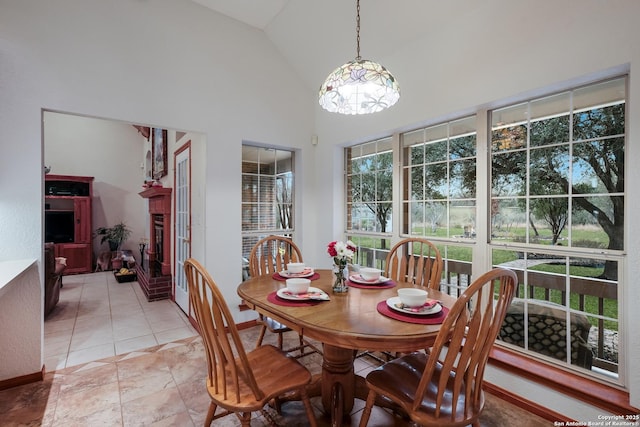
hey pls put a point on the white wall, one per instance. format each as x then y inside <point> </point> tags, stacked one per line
<point>192,69</point>
<point>167,63</point>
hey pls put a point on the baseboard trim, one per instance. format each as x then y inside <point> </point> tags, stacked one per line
<point>598,394</point>
<point>22,380</point>
<point>524,404</point>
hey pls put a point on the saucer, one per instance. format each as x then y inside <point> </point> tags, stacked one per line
<point>395,304</point>
<point>359,279</point>
<point>312,294</point>
<point>307,272</point>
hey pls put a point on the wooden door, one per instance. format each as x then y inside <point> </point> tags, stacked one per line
<point>78,256</point>
<point>182,228</point>
<point>82,213</point>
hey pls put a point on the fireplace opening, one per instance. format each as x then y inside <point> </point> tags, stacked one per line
<point>158,232</point>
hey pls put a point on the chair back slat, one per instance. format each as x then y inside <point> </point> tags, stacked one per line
<point>228,365</point>
<point>415,260</point>
<point>272,254</point>
<point>461,350</point>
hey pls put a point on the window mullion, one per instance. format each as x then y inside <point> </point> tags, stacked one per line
<point>396,200</point>
<point>481,257</point>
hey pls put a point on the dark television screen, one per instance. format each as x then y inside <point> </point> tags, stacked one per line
<point>58,227</point>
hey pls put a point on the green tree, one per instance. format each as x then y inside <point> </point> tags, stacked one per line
<point>375,188</point>
<point>597,155</point>
<point>554,212</point>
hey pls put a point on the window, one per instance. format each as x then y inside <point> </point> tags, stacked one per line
<point>439,176</point>
<point>557,198</point>
<point>438,188</point>
<point>554,213</point>
<point>369,192</point>
<point>439,193</point>
<point>370,186</point>
<point>267,196</point>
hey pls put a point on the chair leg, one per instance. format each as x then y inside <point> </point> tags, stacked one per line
<point>245,419</point>
<point>307,406</point>
<point>276,403</point>
<point>210,413</point>
<point>366,412</point>
<point>263,330</point>
<point>280,341</point>
<point>302,346</point>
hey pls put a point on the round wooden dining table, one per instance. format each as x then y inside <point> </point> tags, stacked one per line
<point>346,322</point>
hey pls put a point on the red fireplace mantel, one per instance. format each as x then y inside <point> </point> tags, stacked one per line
<point>160,205</point>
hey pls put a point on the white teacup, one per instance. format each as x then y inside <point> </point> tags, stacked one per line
<point>412,297</point>
<point>368,273</point>
<point>298,286</point>
<point>295,267</point>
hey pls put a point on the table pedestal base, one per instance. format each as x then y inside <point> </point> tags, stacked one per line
<point>339,386</point>
<point>338,382</point>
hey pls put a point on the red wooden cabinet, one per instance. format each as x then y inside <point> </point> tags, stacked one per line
<point>68,221</point>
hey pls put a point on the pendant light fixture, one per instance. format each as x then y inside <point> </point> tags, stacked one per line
<point>359,86</point>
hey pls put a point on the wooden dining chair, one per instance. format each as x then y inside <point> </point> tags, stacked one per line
<point>415,260</point>
<point>272,254</point>
<point>444,386</point>
<point>239,382</point>
<point>269,256</point>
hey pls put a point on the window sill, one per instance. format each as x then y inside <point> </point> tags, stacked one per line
<point>591,391</point>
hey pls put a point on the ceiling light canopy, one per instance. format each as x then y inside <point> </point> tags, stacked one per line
<point>359,86</point>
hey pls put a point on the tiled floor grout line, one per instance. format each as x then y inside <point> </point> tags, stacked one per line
<point>81,286</point>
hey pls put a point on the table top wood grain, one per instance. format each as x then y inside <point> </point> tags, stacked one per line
<point>348,320</point>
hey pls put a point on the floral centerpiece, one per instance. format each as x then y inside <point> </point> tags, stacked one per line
<point>342,253</point>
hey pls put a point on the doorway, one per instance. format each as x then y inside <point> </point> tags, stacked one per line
<point>116,154</point>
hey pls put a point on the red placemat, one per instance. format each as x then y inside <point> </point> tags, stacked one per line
<point>435,319</point>
<point>275,299</point>
<point>385,285</point>
<point>277,276</point>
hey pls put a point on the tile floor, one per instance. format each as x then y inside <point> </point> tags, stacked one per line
<point>98,317</point>
<point>122,361</point>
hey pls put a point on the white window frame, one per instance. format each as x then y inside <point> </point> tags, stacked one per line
<point>482,247</point>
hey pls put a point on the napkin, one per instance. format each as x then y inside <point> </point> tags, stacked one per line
<point>427,305</point>
<point>362,279</point>
<point>306,271</point>
<point>309,295</point>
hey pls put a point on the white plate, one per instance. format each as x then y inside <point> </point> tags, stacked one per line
<point>395,304</point>
<point>356,278</point>
<point>286,274</point>
<point>312,294</point>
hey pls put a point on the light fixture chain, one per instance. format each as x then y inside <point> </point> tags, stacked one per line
<point>358,30</point>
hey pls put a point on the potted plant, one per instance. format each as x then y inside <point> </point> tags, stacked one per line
<point>114,236</point>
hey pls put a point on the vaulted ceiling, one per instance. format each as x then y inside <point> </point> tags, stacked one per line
<point>316,36</point>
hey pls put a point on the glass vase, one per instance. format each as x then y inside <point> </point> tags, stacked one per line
<point>340,283</point>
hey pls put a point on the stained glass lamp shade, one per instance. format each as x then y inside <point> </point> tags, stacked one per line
<point>359,87</point>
